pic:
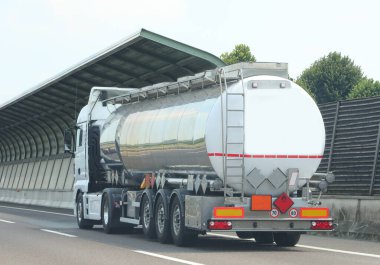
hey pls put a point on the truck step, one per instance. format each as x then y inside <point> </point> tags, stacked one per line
<point>235,110</point>
<point>235,94</point>
<point>235,126</point>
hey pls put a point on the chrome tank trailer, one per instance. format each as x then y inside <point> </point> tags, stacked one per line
<point>283,129</point>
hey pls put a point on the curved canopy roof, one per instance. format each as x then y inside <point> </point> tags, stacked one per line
<point>32,125</point>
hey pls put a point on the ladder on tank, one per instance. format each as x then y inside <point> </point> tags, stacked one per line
<point>233,136</point>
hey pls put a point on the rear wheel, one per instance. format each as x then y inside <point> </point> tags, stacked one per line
<point>286,239</point>
<point>82,223</point>
<point>147,218</point>
<point>181,236</point>
<point>162,224</point>
<point>264,238</point>
<point>109,219</point>
<point>245,235</point>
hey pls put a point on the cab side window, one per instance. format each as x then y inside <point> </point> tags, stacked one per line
<point>79,137</point>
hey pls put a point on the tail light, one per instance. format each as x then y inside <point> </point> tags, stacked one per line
<point>219,225</point>
<point>322,225</point>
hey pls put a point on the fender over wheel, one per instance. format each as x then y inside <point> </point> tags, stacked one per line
<point>82,222</point>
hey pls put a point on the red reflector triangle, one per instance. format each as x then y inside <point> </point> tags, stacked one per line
<point>283,202</point>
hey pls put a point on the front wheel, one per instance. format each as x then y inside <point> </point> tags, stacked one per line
<point>286,239</point>
<point>82,223</point>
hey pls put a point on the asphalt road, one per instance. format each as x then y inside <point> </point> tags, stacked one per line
<point>37,235</point>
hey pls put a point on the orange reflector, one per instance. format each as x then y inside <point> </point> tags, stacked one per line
<point>261,203</point>
<point>228,212</point>
<point>314,212</point>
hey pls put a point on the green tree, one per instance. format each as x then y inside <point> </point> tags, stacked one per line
<point>367,87</point>
<point>306,88</point>
<point>330,78</point>
<point>241,53</point>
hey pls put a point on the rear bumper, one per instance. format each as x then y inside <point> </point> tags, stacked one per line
<point>274,225</point>
<point>300,217</point>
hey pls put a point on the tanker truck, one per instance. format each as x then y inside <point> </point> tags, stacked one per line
<point>233,149</point>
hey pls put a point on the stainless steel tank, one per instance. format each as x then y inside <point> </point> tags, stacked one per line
<point>283,129</point>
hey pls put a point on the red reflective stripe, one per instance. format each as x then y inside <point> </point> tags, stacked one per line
<point>266,156</point>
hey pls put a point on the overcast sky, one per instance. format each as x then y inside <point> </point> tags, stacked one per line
<point>41,38</point>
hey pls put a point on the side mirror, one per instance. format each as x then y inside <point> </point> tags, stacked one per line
<point>68,139</point>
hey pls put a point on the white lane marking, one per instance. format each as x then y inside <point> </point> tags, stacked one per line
<point>167,257</point>
<point>38,211</point>
<point>5,221</point>
<point>340,251</point>
<point>58,233</point>
<point>311,247</point>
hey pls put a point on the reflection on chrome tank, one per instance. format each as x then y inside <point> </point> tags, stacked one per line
<point>158,134</point>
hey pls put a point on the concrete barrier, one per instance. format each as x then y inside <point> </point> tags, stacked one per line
<point>357,216</point>
<point>56,199</point>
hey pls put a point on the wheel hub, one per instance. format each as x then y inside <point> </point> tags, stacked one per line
<point>105,214</point>
<point>146,215</point>
<point>176,220</point>
<point>161,218</point>
<point>79,211</point>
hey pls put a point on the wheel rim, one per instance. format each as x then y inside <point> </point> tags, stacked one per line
<point>79,211</point>
<point>146,214</point>
<point>105,213</point>
<point>176,220</point>
<point>161,217</point>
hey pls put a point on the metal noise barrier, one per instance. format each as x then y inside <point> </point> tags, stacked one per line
<point>352,146</point>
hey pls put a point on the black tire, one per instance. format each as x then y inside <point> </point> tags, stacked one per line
<point>108,218</point>
<point>264,238</point>
<point>245,235</point>
<point>162,224</point>
<point>286,239</point>
<point>82,223</point>
<point>147,218</point>
<point>180,234</point>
